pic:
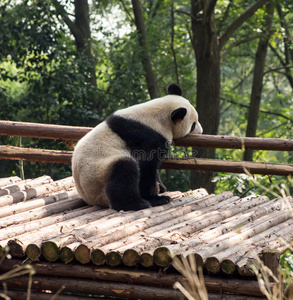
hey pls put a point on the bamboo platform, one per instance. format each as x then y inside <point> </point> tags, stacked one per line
<point>47,222</point>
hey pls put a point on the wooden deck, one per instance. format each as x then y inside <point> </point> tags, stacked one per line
<point>45,220</point>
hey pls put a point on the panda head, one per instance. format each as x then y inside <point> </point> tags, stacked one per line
<point>184,117</point>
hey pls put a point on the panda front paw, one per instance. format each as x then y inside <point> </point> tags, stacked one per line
<point>159,200</point>
<point>133,205</point>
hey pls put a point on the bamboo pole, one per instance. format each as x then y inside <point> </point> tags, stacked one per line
<point>45,295</point>
<point>162,257</point>
<point>98,257</point>
<point>43,234</point>
<point>117,221</point>
<point>113,258</point>
<point>271,259</point>
<point>83,286</point>
<point>116,218</point>
<point>33,252</point>
<point>38,130</point>
<point>237,221</point>
<point>196,164</point>
<point>66,255</point>
<point>130,258</point>
<point>212,264</point>
<point>191,244</point>
<point>9,181</point>
<point>24,185</point>
<point>74,133</point>
<point>31,154</point>
<point>82,254</point>
<point>145,223</point>
<point>273,238</point>
<point>166,233</point>
<point>215,165</point>
<point>15,248</point>
<point>40,190</point>
<point>62,211</point>
<point>231,239</point>
<point>146,260</point>
<point>26,206</point>
<point>44,207</point>
<point>230,142</point>
<point>50,251</point>
<point>244,266</point>
<point>136,277</point>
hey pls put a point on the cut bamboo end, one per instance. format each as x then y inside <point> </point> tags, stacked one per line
<point>146,260</point>
<point>33,252</point>
<point>228,267</point>
<point>197,258</point>
<point>130,258</point>
<point>244,267</point>
<point>98,257</point>
<point>162,257</point>
<point>212,264</point>
<point>82,254</point>
<point>66,255</point>
<point>113,259</point>
<point>50,251</point>
<point>15,248</point>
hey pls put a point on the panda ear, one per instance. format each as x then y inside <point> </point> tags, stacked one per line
<point>178,114</point>
<point>174,89</point>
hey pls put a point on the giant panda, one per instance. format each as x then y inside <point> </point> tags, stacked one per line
<point>116,164</point>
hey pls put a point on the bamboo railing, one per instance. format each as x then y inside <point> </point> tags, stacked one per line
<point>72,133</point>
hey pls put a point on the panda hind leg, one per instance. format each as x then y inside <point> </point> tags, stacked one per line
<point>123,186</point>
<point>148,185</point>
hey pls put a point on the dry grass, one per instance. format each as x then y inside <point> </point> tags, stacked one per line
<point>19,271</point>
<point>194,288</point>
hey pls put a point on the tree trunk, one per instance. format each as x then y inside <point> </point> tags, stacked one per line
<point>146,59</point>
<point>82,21</point>
<point>207,48</point>
<point>81,31</point>
<point>260,59</point>
<point>207,53</point>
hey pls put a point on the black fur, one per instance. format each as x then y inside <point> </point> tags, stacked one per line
<point>174,89</point>
<point>178,114</point>
<point>122,187</point>
<point>148,148</point>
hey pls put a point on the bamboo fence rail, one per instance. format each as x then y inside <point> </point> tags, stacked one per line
<point>70,134</point>
<point>196,164</point>
<point>74,133</point>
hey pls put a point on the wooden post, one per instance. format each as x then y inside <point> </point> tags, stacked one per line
<point>271,259</point>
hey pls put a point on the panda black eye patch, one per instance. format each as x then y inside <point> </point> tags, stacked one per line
<point>192,127</point>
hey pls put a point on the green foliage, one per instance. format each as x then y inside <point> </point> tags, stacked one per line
<point>287,263</point>
<point>44,78</point>
<point>176,180</point>
<point>247,185</point>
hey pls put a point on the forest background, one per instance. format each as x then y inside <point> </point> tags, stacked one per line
<point>75,62</point>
